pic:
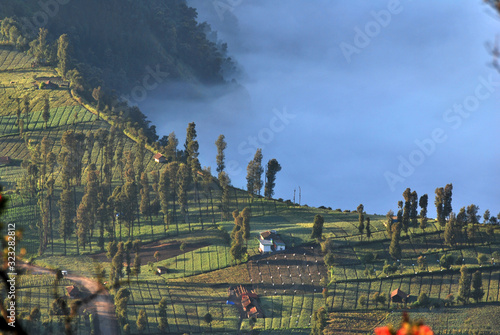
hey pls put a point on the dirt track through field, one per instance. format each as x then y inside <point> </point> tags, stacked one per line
<point>102,303</point>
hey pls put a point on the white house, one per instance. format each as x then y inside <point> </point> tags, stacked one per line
<point>270,241</point>
<point>265,246</point>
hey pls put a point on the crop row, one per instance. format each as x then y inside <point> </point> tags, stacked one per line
<point>186,308</point>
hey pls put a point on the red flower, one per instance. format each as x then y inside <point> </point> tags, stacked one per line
<point>382,331</point>
<point>424,330</point>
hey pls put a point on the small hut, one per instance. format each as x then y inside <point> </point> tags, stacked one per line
<point>161,270</point>
<point>159,158</point>
<point>399,296</point>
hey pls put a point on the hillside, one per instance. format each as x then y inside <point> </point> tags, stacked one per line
<point>189,236</point>
<point>114,42</point>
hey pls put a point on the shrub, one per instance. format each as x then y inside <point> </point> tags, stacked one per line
<point>329,259</point>
<point>363,300</point>
<point>482,259</point>
<point>369,257</point>
<point>182,247</point>
<point>338,210</point>
<point>326,246</point>
<point>422,262</point>
<point>389,268</point>
<point>423,300</point>
<point>449,300</point>
<point>446,261</point>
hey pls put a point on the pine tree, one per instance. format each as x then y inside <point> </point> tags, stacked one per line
<point>439,202</point>
<point>273,167</point>
<point>237,250</point>
<point>66,215</point>
<point>257,170</point>
<point>464,285</point>
<point>145,205</point>
<point>221,146</point>
<point>46,111</point>
<point>162,313</point>
<point>128,203</point>
<point>83,221</point>
<point>447,208</point>
<point>171,148</point>
<point>388,222</point>
<point>413,208</point>
<point>394,247</point>
<point>250,177</point>
<point>183,178</point>
<point>368,228</point>
<point>450,231</point>
<point>164,195</point>
<point>317,230</point>
<point>224,183</point>
<point>191,147</point>
<point>477,286</point>
<point>361,224</point>
<point>97,94</point>
<point>117,265</point>
<point>319,319</point>
<point>423,212</point>
<point>121,301</point>
<point>407,207</point>
<point>486,216</point>
<point>63,55</point>
<point>246,215</point>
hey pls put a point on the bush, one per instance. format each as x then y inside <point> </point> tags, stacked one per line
<point>447,261</point>
<point>369,257</point>
<point>347,211</point>
<point>182,247</point>
<point>449,300</point>
<point>326,246</point>
<point>329,259</point>
<point>389,269</point>
<point>482,259</point>
<point>363,300</point>
<point>423,300</point>
<point>338,210</point>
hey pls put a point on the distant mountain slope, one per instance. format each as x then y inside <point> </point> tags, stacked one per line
<point>115,41</point>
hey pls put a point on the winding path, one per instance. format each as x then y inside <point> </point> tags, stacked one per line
<point>108,324</point>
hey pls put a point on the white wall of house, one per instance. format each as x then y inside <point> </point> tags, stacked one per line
<point>265,248</point>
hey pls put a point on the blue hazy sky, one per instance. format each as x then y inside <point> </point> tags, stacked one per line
<point>353,128</point>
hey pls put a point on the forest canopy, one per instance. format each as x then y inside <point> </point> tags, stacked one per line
<point>114,41</point>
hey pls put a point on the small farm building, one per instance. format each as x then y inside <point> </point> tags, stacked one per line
<point>270,241</point>
<point>159,158</point>
<point>399,296</point>
<point>161,270</point>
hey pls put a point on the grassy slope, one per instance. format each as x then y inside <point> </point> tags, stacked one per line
<point>191,297</point>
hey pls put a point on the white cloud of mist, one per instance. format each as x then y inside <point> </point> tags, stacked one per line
<point>354,119</point>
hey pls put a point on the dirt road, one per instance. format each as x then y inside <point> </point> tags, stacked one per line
<point>108,324</point>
